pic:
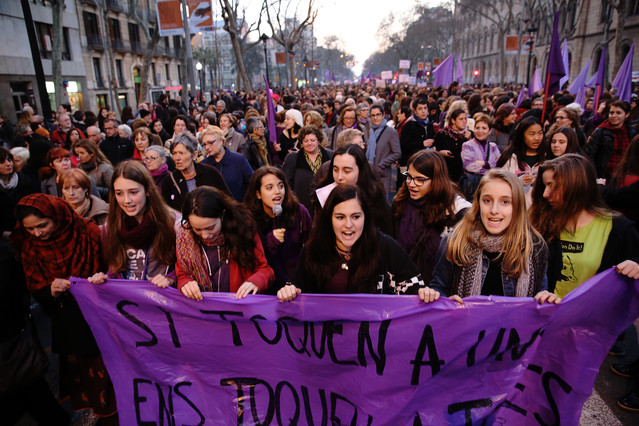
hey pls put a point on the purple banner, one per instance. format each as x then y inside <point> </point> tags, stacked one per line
<point>353,359</point>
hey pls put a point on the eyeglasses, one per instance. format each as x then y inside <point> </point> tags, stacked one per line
<point>419,181</point>
<point>559,117</point>
<point>109,128</point>
<point>376,115</point>
<point>149,159</point>
<point>205,144</point>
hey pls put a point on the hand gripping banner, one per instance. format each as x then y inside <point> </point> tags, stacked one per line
<point>353,359</point>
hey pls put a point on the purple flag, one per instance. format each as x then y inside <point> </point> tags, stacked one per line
<point>369,75</point>
<point>564,56</point>
<point>420,74</point>
<point>535,83</point>
<point>459,72</point>
<point>272,136</point>
<point>327,74</point>
<point>353,359</point>
<point>443,74</point>
<point>581,97</point>
<point>580,81</point>
<point>555,68</point>
<point>623,80</point>
<point>522,95</point>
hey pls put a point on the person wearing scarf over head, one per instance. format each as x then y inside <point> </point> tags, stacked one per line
<point>54,244</point>
<point>218,248</point>
<point>139,235</point>
<point>494,249</point>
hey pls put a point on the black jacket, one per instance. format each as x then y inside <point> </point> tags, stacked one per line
<point>412,138</point>
<point>117,149</point>
<point>174,187</point>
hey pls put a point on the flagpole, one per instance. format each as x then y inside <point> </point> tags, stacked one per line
<point>597,96</point>
<point>543,111</point>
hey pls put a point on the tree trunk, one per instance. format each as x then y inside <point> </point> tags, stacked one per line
<point>56,52</point>
<point>241,70</point>
<point>291,69</point>
<point>502,55</point>
<point>622,12</point>
<point>146,66</point>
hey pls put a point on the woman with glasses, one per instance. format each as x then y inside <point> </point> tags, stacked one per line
<point>569,118</point>
<point>218,247</point>
<point>347,120</point>
<point>155,162</point>
<point>139,237</point>
<point>426,207</point>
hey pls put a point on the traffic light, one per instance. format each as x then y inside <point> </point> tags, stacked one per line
<point>476,73</point>
<point>427,73</point>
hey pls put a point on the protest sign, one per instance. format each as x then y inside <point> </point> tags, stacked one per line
<point>353,359</point>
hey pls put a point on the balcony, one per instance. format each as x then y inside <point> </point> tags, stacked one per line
<point>159,51</point>
<point>114,5</point>
<point>176,52</point>
<point>136,47</point>
<point>119,45</point>
<point>94,41</point>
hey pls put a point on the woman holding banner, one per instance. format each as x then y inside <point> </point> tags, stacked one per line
<point>139,236</point>
<point>494,250</point>
<point>568,209</point>
<point>347,254</point>
<point>218,247</point>
<point>55,243</point>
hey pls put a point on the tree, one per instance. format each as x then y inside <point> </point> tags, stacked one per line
<point>141,11</point>
<point>287,28</point>
<point>56,50</point>
<point>235,27</point>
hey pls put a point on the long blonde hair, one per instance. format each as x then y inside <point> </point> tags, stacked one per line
<point>519,238</point>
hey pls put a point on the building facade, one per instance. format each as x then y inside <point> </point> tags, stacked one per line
<point>483,28</point>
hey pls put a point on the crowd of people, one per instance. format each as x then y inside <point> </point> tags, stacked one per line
<point>435,192</point>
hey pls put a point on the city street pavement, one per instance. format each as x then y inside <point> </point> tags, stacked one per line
<point>601,408</point>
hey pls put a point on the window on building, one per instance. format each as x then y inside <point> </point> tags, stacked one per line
<point>118,70</point>
<point>45,41</point>
<point>92,29</point>
<point>134,36</point>
<point>179,73</point>
<point>177,45</point>
<point>97,73</point>
<point>116,34</point>
<point>167,74</point>
<point>155,75</point>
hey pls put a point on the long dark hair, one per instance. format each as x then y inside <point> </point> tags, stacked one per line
<point>164,242</point>
<point>367,180</point>
<point>322,256</point>
<point>238,226</point>
<point>290,203</point>
<point>629,164</point>
<point>576,181</point>
<point>571,147</point>
<point>517,143</point>
<point>439,202</point>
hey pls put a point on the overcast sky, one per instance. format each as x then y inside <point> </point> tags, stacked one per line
<point>355,22</point>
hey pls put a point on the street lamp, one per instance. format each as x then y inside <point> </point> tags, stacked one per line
<point>530,43</point>
<point>264,37</point>
<point>198,67</point>
<point>305,69</point>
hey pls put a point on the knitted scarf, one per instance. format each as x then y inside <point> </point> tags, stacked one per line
<point>376,132</point>
<point>470,279</point>
<point>261,145</point>
<point>138,235</point>
<point>13,182</point>
<point>192,258</point>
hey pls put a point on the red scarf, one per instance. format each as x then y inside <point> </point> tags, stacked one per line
<point>72,250</point>
<point>622,142</point>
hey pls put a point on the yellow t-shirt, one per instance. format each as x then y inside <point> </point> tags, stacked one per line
<point>581,254</point>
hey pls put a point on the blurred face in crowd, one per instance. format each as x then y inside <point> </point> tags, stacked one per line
<point>213,144</point>
<point>376,116</point>
<point>459,123</point>
<point>533,137</point>
<point>40,228</point>
<point>481,130</point>
<point>421,111</point>
<point>183,157</point>
<point>141,142</point>
<point>562,119</point>
<point>558,144</point>
<point>153,160</point>
<point>496,206</point>
<point>311,144</point>
<point>363,113</point>
<point>64,121</point>
<point>179,126</point>
<point>348,223</point>
<point>83,155</point>
<point>617,116</point>
<point>110,129</point>
<point>349,119</point>
<point>6,168</point>
<point>61,164</point>
<point>225,123</point>
<point>130,196</point>
<point>93,133</point>
<point>73,193</point>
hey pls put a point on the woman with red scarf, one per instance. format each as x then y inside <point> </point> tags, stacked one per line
<point>610,140</point>
<point>55,243</point>
<point>449,140</point>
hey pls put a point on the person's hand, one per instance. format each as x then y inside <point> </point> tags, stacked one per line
<point>446,153</point>
<point>161,281</point>
<point>527,178</point>
<point>601,181</point>
<point>58,286</point>
<point>279,234</point>
<point>192,290</point>
<point>547,297</point>
<point>277,147</point>
<point>428,143</point>
<point>98,278</point>
<point>288,293</point>
<point>457,299</point>
<point>467,134</point>
<point>629,268</point>
<point>246,289</point>
<point>428,295</point>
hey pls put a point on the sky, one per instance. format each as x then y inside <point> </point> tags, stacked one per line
<point>355,22</point>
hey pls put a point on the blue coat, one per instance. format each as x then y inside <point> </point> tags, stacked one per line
<point>236,171</point>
